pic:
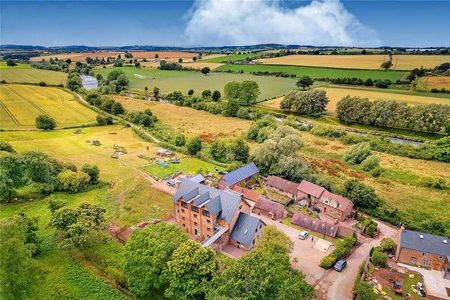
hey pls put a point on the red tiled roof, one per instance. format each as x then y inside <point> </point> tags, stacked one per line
<point>314,224</point>
<point>282,184</point>
<point>310,188</point>
<point>343,203</point>
<point>246,193</point>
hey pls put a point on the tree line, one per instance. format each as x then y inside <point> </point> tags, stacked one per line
<point>393,114</point>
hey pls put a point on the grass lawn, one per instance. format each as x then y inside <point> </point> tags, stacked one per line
<point>188,165</point>
<point>169,81</point>
<point>127,197</point>
<point>315,72</point>
<point>400,62</point>
<point>407,283</point>
<point>29,75</point>
<point>21,104</point>
<point>176,119</point>
<point>335,94</point>
<point>399,186</point>
<point>3,66</point>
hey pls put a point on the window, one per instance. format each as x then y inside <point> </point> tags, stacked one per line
<point>183,218</point>
<point>208,221</point>
<point>184,225</point>
<point>195,223</point>
<point>194,208</point>
<point>240,207</point>
<point>195,215</point>
<point>413,260</point>
<point>260,226</point>
<point>253,242</point>
<point>178,211</point>
<point>184,204</point>
<point>208,229</point>
<point>205,212</point>
<point>426,263</point>
<point>182,210</point>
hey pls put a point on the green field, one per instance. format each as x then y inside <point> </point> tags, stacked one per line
<point>21,104</point>
<point>232,57</point>
<point>316,72</point>
<point>187,165</point>
<point>24,74</point>
<point>169,81</point>
<point>3,66</point>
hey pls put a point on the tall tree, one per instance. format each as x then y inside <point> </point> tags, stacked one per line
<point>205,70</point>
<point>304,82</point>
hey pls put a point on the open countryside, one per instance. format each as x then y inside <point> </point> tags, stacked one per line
<point>21,104</point>
<point>335,94</point>
<point>400,62</point>
<point>32,76</point>
<point>169,81</point>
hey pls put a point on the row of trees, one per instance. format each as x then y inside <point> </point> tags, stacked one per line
<point>106,104</point>
<point>312,102</point>
<point>393,114</point>
<point>161,258</point>
<point>32,175</point>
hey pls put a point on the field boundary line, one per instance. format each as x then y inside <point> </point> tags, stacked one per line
<point>13,118</point>
<point>34,105</point>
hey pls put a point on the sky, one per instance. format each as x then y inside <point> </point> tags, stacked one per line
<point>226,22</point>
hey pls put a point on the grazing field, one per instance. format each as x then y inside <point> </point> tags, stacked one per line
<point>316,72</point>
<point>127,197</point>
<point>399,185</point>
<point>434,82</point>
<point>21,104</point>
<point>169,81</point>
<point>336,93</point>
<point>401,62</point>
<point>189,121</point>
<point>28,75</point>
<point>3,66</point>
<point>104,54</point>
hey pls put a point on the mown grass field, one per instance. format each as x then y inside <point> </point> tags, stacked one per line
<point>335,94</point>
<point>21,104</point>
<point>316,72</point>
<point>3,66</point>
<point>399,185</point>
<point>29,75</point>
<point>169,81</point>
<point>400,62</point>
<point>187,120</point>
<point>433,82</point>
<point>127,197</point>
<point>187,165</point>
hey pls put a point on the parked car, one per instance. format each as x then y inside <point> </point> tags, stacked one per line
<point>340,265</point>
<point>303,235</point>
<point>420,290</point>
<point>398,287</point>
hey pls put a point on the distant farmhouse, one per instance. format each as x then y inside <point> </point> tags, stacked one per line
<point>425,250</point>
<point>216,217</point>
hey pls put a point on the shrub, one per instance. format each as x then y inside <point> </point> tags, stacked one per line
<point>328,261</point>
<point>343,248</point>
<point>42,83</point>
<point>92,171</point>
<point>388,245</point>
<point>327,131</point>
<point>5,146</point>
<point>361,195</point>
<point>194,146</point>
<point>364,291</point>
<point>435,183</point>
<point>180,140</point>
<point>371,162</point>
<point>371,230</point>
<point>72,181</point>
<point>45,122</point>
<point>356,154</point>
<point>379,258</point>
<point>104,120</point>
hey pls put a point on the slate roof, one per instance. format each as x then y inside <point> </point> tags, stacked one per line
<point>219,202</point>
<point>282,184</point>
<point>429,243</point>
<point>314,224</point>
<point>245,229</point>
<point>197,178</point>
<point>270,206</point>
<point>310,188</point>
<point>240,174</point>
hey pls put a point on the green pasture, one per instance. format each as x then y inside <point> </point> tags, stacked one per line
<point>168,81</point>
<point>187,165</point>
<point>316,72</point>
<point>232,57</point>
<point>3,66</point>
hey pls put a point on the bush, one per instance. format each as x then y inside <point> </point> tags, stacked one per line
<point>364,291</point>
<point>180,140</point>
<point>194,146</point>
<point>370,163</point>
<point>361,195</point>
<point>45,122</point>
<point>104,120</point>
<point>42,83</point>
<point>371,230</point>
<point>5,146</point>
<point>73,181</point>
<point>342,249</point>
<point>92,171</point>
<point>435,183</point>
<point>379,258</point>
<point>327,131</point>
<point>356,154</point>
<point>328,261</point>
<point>388,245</point>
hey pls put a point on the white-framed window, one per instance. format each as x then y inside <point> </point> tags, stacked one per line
<point>426,263</point>
<point>413,260</point>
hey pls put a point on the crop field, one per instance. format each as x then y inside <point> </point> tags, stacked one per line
<point>189,121</point>
<point>28,75</point>
<point>399,185</point>
<point>169,81</point>
<point>434,82</point>
<point>127,197</point>
<point>401,62</point>
<point>232,57</point>
<point>104,54</point>
<point>336,93</point>
<point>21,104</point>
<point>316,72</point>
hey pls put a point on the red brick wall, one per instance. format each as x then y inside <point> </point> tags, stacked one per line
<point>414,257</point>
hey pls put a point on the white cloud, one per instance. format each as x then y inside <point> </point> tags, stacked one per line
<point>231,22</point>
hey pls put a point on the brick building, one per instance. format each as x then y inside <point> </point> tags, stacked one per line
<point>425,250</point>
<point>282,186</point>
<point>215,217</point>
<point>315,196</point>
